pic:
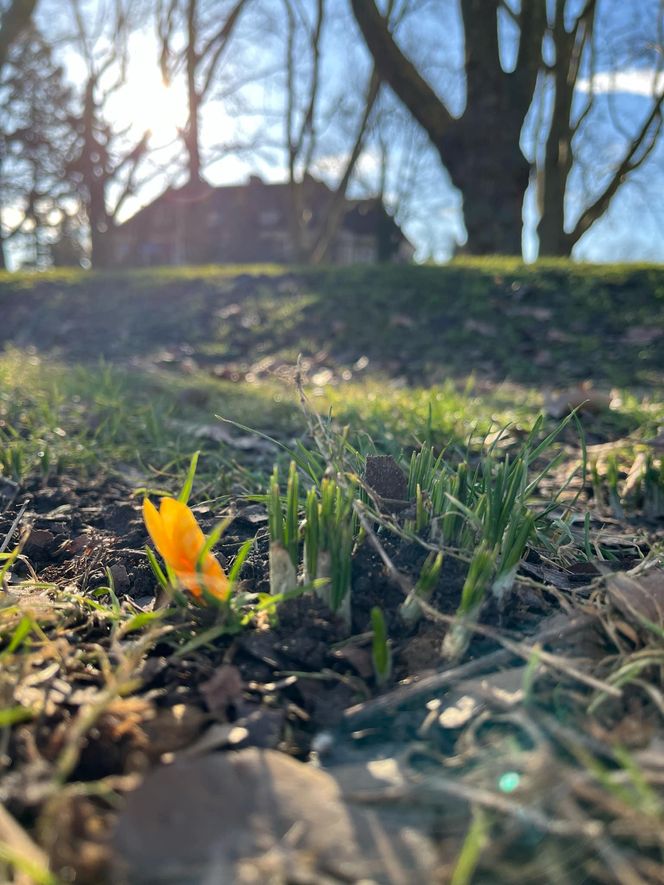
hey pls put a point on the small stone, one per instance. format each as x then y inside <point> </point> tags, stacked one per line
<point>120,577</point>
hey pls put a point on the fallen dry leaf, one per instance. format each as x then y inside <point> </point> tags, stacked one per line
<point>210,819</point>
<point>640,600</point>
<point>219,434</point>
<point>583,397</point>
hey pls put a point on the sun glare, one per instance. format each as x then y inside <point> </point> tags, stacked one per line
<point>146,102</point>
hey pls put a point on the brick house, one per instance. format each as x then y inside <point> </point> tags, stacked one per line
<point>250,223</point>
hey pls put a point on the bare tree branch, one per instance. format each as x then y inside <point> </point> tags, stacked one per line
<point>400,74</point>
<point>646,138</point>
<point>221,39</point>
<point>335,208</point>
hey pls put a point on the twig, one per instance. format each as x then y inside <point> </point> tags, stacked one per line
<point>613,859</point>
<point>436,784</point>
<point>431,685</point>
<point>405,694</point>
<point>397,577</point>
<point>526,651</point>
<point>13,527</point>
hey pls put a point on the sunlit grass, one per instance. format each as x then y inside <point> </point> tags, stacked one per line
<point>55,417</point>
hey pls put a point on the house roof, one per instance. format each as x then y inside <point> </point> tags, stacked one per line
<point>267,205</point>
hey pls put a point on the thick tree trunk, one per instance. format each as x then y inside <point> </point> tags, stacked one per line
<point>490,173</point>
<point>193,147</point>
<point>554,242</point>
<point>493,207</point>
<point>3,263</point>
<point>480,150</point>
<point>100,227</point>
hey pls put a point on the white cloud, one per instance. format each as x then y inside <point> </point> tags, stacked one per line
<point>635,81</point>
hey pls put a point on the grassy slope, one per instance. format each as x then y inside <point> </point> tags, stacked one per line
<point>499,319</point>
<point>406,350</point>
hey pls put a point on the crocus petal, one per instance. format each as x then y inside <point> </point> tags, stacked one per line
<point>155,527</point>
<point>180,541</point>
<point>186,538</point>
<point>190,582</point>
<point>210,578</point>
<point>215,577</point>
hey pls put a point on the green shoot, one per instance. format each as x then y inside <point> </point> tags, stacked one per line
<point>283,525</point>
<point>311,536</point>
<point>189,479</point>
<point>474,844</point>
<point>427,582</point>
<point>8,559</point>
<point>381,654</point>
<point>612,483</point>
<point>476,585</point>
<point>330,530</point>
<point>653,488</point>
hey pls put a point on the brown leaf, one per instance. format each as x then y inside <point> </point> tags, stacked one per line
<point>227,813</point>
<point>582,397</point>
<point>172,728</point>
<point>219,434</point>
<point>640,599</point>
<point>38,540</point>
<point>358,657</point>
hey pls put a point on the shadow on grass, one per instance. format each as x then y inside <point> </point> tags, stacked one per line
<point>548,324</point>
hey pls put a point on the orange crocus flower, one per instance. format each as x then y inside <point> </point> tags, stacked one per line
<point>180,541</point>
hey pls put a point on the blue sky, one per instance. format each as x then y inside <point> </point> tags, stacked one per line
<point>430,213</point>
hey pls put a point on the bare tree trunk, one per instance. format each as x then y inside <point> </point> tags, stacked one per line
<point>493,181</point>
<point>558,155</point>
<point>301,139</point>
<point>12,22</point>
<point>192,137</point>
<point>336,209</point>
<point>480,149</point>
<point>93,168</point>
<point>199,58</point>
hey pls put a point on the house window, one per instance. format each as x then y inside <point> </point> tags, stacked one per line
<point>344,251</point>
<point>269,217</point>
<point>356,250</point>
